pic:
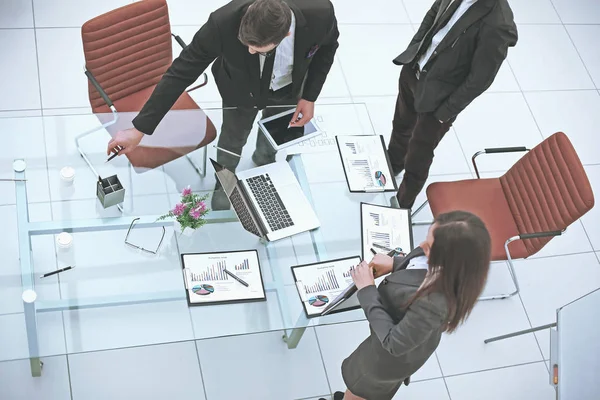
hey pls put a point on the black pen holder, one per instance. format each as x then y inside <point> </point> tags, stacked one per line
<point>110,192</point>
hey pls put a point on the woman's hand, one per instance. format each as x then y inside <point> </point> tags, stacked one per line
<point>382,265</point>
<point>362,275</point>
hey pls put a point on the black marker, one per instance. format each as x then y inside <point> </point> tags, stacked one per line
<point>56,272</point>
<point>236,278</point>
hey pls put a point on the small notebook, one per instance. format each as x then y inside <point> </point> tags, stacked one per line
<point>366,164</point>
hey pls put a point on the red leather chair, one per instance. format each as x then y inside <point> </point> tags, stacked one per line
<point>536,199</point>
<point>127,50</point>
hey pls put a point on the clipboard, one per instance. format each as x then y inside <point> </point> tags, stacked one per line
<point>206,283</point>
<point>382,177</point>
<point>346,294</point>
<point>309,276</point>
<point>404,245</point>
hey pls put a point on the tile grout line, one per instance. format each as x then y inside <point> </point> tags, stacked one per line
<point>443,377</point>
<point>530,324</point>
<point>574,45</point>
<point>62,314</point>
<point>323,361</point>
<point>496,368</point>
<point>200,367</point>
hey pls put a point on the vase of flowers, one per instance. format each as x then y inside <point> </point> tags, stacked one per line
<point>189,213</point>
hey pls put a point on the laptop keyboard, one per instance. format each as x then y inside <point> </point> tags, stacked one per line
<point>269,202</point>
<point>242,212</point>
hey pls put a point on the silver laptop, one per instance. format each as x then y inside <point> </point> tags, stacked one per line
<point>268,200</point>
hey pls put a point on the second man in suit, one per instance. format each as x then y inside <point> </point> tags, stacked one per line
<point>265,53</point>
<point>453,58</point>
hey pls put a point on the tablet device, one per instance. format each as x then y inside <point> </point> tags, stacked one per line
<point>278,132</point>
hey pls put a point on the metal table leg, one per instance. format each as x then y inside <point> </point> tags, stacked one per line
<point>26,264</point>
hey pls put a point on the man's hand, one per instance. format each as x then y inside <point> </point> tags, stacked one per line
<point>382,264</point>
<point>307,109</point>
<point>127,140</point>
<point>362,275</point>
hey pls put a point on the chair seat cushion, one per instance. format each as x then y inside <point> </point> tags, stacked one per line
<point>135,101</point>
<point>484,198</point>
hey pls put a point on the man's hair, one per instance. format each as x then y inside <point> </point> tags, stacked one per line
<point>266,22</point>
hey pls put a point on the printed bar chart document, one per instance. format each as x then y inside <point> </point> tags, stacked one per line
<point>385,228</point>
<point>366,163</point>
<point>319,283</point>
<point>210,278</point>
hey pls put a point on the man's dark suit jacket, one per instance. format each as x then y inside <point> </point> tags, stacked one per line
<point>466,61</point>
<point>236,71</point>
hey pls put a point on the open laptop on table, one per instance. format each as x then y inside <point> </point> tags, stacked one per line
<point>268,200</point>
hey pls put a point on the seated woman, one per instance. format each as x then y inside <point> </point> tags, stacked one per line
<point>429,291</point>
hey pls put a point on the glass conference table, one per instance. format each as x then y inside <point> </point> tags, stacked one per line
<point>117,296</point>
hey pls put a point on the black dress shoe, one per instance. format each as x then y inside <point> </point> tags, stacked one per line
<point>338,396</point>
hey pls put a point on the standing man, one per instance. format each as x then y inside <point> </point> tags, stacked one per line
<point>453,58</point>
<point>268,53</point>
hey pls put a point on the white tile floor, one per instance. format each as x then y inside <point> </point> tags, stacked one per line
<point>550,83</point>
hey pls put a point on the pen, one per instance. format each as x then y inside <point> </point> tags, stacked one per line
<point>236,278</point>
<point>373,251</point>
<point>116,153</point>
<point>381,247</point>
<point>57,271</point>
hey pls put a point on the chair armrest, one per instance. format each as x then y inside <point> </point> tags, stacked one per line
<point>200,85</point>
<point>182,44</point>
<point>97,86</point>
<point>537,235</point>
<point>495,150</point>
<point>179,40</point>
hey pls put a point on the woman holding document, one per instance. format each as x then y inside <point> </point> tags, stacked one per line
<point>429,291</point>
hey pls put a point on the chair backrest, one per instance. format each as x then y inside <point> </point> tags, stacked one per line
<point>127,49</point>
<point>547,189</point>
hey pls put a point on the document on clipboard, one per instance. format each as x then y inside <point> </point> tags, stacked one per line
<point>366,163</point>
<point>384,229</point>
<point>320,283</point>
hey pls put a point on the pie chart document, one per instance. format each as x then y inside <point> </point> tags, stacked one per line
<point>319,283</point>
<point>210,278</point>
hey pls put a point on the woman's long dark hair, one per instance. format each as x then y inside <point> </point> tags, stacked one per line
<point>459,261</point>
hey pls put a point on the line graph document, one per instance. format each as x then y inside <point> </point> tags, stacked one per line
<point>206,281</point>
<point>384,229</point>
<point>365,163</point>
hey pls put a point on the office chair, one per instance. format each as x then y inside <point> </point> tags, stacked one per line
<point>127,50</point>
<point>536,199</point>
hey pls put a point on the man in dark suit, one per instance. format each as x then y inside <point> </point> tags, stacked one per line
<point>265,53</point>
<point>453,58</point>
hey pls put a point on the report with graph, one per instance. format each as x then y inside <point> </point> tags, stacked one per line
<point>366,163</point>
<point>320,283</point>
<point>222,277</point>
<point>384,229</point>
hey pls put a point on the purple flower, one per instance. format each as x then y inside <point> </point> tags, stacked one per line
<point>201,206</point>
<point>187,191</point>
<point>179,209</point>
<point>195,213</point>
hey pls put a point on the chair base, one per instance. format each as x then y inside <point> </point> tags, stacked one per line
<point>519,333</point>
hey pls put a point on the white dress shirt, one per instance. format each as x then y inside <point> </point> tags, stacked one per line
<point>421,262</point>
<point>283,65</point>
<point>438,37</point>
